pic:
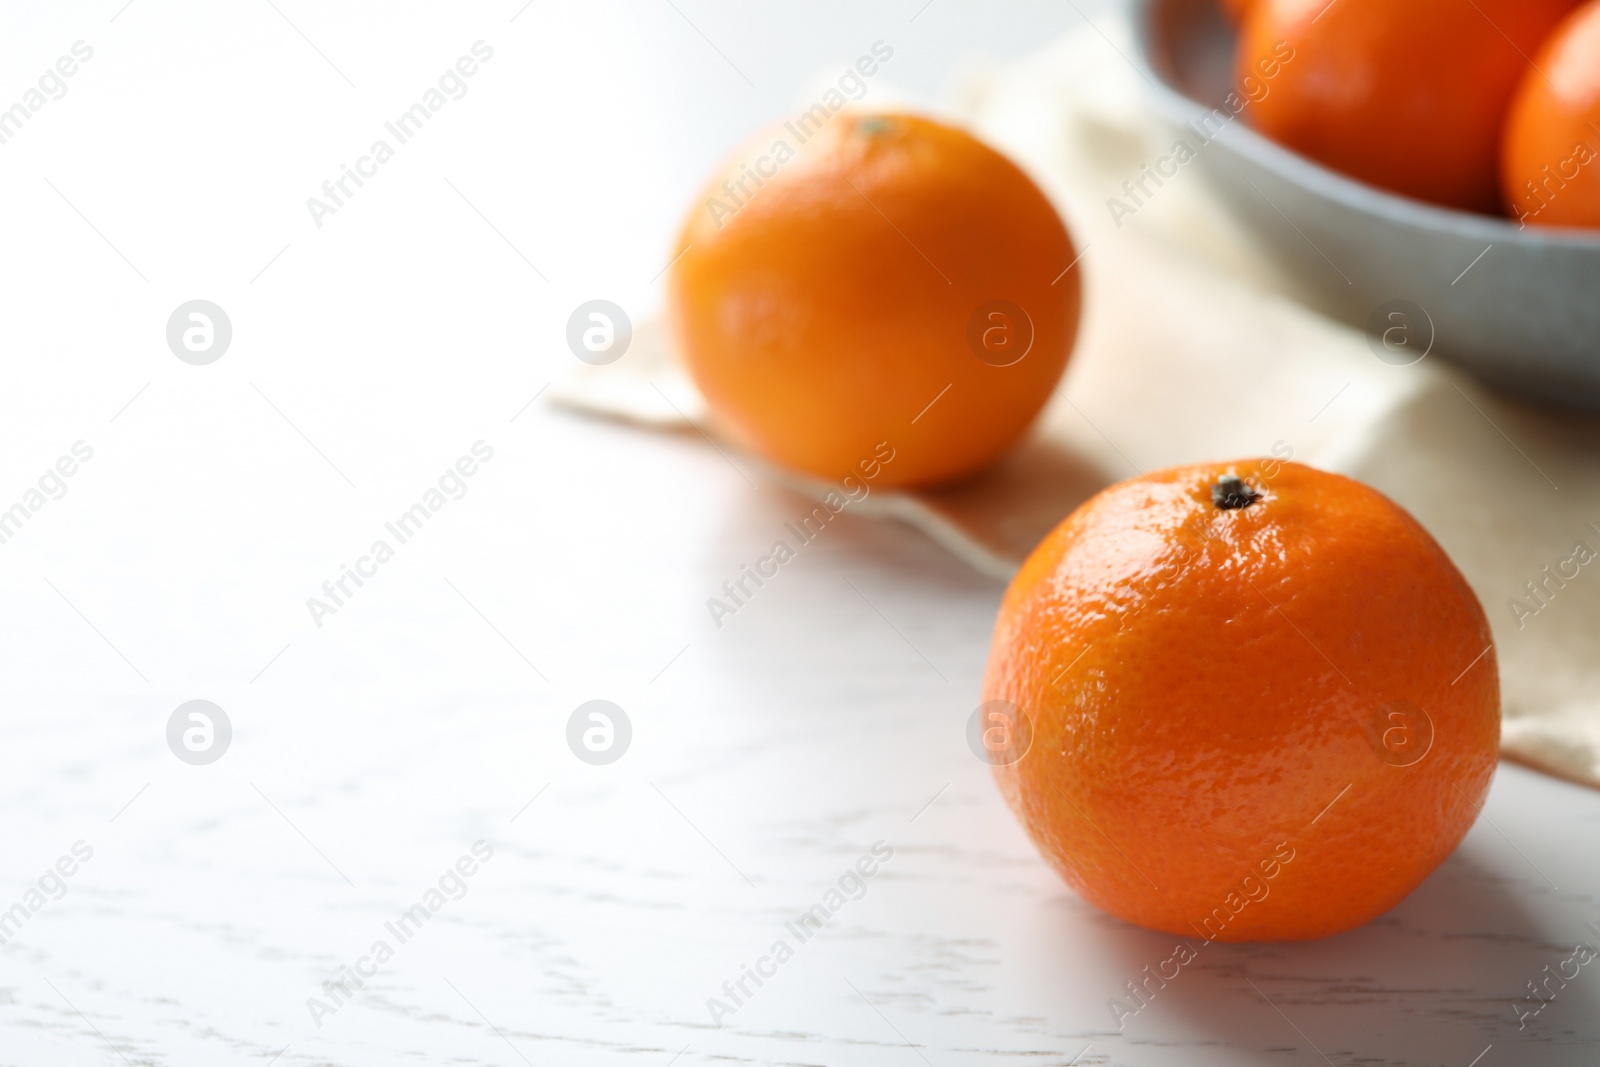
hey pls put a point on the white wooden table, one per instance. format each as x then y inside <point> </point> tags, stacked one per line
<point>430,710</point>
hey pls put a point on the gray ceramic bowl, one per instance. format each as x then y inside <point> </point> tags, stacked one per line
<point>1520,307</point>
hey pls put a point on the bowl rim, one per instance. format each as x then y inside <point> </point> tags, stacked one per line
<point>1352,192</point>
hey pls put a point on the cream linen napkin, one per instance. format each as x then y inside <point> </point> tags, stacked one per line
<point>1190,351</point>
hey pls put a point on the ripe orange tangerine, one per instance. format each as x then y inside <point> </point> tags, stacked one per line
<point>1256,701</point>
<point>874,282</point>
<point>1409,96</point>
<point>1550,164</point>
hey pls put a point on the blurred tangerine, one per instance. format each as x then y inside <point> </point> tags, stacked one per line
<point>1550,167</point>
<point>1411,96</point>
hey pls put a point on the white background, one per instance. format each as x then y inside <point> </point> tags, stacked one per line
<point>370,753</point>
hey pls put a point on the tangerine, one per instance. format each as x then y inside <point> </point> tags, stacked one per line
<point>1260,707</point>
<point>1411,97</point>
<point>871,282</point>
<point>1549,172</point>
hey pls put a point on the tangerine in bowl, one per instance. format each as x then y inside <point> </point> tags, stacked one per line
<point>1513,304</point>
<point>1410,97</point>
<point>1550,163</point>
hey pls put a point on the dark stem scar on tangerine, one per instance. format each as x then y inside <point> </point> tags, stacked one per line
<point>1231,492</point>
